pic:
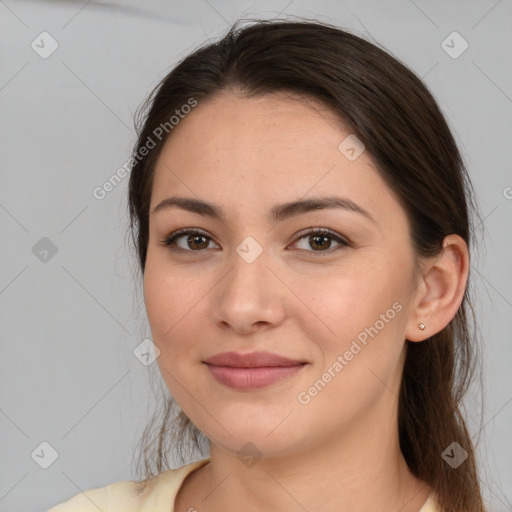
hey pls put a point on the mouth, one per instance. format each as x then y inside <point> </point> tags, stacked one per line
<point>251,360</point>
<point>252,371</point>
<point>252,378</point>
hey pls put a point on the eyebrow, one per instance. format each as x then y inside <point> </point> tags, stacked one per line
<point>278,213</point>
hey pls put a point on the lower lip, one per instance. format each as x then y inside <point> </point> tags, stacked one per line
<point>252,378</point>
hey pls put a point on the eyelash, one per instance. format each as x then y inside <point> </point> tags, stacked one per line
<point>169,240</point>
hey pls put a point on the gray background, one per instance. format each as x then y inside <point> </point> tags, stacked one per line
<point>69,325</point>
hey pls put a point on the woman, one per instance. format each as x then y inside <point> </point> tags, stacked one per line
<point>301,215</point>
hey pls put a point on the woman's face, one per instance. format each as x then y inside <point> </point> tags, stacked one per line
<point>258,276</point>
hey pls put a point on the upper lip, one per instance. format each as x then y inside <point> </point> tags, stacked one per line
<point>252,360</point>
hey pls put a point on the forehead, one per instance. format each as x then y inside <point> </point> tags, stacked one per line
<point>233,118</point>
<point>260,151</point>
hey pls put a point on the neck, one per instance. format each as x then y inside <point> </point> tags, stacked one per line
<point>358,471</point>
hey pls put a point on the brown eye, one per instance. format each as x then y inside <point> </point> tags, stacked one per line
<point>317,241</point>
<point>196,241</point>
<point>187,241</point>
<point>321,240</point>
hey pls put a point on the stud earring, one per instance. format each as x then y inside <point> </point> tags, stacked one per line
<point>421,326</point>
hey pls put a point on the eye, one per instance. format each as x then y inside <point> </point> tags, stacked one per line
<point>320,239</point>
<point>194,241</point>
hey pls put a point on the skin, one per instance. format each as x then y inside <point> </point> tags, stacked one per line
<point>340,451</point>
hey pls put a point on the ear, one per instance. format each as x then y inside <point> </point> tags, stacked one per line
<point>440,291</point>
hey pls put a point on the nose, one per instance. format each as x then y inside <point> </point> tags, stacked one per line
<point>250,297</point>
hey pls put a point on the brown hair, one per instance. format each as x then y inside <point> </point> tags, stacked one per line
<point>392,112</point>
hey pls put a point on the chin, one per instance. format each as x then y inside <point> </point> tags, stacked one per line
<point>256,445</point>
<point>269,436</point>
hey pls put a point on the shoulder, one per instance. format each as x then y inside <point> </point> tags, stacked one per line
<point>431,505</point>
<point>130,496</point>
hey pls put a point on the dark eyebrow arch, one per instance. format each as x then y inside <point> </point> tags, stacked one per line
<point>278,213</point>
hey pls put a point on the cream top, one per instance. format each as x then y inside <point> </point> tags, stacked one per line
<point>158,496</point>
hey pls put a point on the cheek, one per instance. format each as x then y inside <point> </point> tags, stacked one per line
<point>156,300</point>
<point>337,302</point>
<point>176,307</point>
<point>363,305</point>
<point>170,310</point>
<point>165,298</point>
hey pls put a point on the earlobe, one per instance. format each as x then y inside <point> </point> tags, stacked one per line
<point>442,290</point>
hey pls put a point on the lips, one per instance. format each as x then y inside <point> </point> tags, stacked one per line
<point>252,360</point>
<point>251,371</point>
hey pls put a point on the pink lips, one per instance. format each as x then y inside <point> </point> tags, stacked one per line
<point>251,371</point>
